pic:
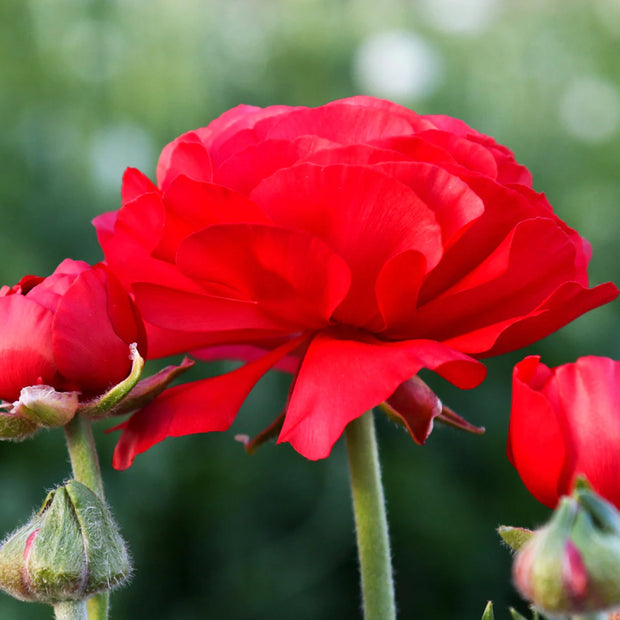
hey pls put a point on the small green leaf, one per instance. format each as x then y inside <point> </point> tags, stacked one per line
<point>488,612</point>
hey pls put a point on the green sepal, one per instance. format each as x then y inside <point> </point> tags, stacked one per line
<point>514,537</point>
<point>147,389</point>
<point>488,612</point>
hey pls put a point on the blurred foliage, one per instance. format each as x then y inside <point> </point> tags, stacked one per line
<point>88,87</point>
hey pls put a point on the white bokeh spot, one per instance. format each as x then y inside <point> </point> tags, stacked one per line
<point>460,16</point>
<point>590,109</point>
<point>397,64</point>
<point>114,148</point>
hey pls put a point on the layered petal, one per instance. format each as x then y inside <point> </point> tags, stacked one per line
<point>186,155</point>
<point>376,217</point>
<point>289,274</point>
<point>191,206</point>
<point>345,374</point>
<point>532,263</point>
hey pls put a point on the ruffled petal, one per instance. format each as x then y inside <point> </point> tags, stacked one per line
<point>186,155</point>
<point>534,260</point>
<point>192,206</point>
<point>343,376</point>
<point>179,310</point>
<point>455,205</point>
<point>26,354</point>
<point>244,170</point>
<point>289,274</point>
<point>362,214</point>
<point>199,407</point>
<point>128,251</point>
<point>135,183</point>
<point>564,305</point>
<point>398,286</point>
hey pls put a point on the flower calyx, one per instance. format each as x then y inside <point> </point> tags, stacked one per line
<point>42,406</point>
<point>70,550</point>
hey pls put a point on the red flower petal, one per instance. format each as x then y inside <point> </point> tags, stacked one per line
<point>26,355</point>
<point>128,251</point>
<point>565,422</point>
<point>192,206</point>
<point>348,122</point>
<point>88,351</point>
<point>186,155</point>
<point>564,305</point>
<point>342,377</point>
<point>135,184</point>
<point>200,313</point>
<point>199,407</point>
<point>397,288</point>
<point>123,314</point>
<point>290,274</point>
<point>531,263</point>
<point>455,205</point>
<point>538,427</point>
<point>244,170</point>
<point>376,217</point>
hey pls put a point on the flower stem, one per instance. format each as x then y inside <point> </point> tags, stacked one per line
<point>70,610</point>
<point>85,465</point>
<point>370,520</point>
<point>83,454</point>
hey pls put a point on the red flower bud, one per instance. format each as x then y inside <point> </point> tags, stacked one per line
<point>565,421</point>
<point>62,338</point>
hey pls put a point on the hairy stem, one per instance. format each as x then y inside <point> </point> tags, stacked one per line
<point>370,520</point>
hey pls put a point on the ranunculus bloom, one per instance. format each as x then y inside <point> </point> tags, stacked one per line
<point>565,421</point>
<point>70,331</point>
<point>354,243</point>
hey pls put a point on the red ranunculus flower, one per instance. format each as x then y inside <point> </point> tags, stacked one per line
<point>354,243</point>
<point>71,331</point>
<point>565,421</point>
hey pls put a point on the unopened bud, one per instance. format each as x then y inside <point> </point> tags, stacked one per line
<point>571,565</point>
<point>70,550</point>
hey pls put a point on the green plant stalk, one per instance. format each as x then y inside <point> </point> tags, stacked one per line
<point>70,610</point>
<point>85,465</point>
<point>370,520</point>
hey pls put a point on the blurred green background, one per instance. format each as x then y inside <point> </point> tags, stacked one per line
<point>88,87</point>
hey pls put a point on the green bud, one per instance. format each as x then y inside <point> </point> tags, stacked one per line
<point>70,550</point>
<point>571,566</point>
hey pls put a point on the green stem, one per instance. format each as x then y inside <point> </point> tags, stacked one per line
<point>85,465</point>
<point>70,610</point>
<point>370,520</point>
<point>83,454</point>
